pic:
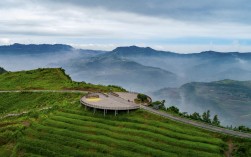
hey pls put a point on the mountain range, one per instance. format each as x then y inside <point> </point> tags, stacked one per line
<point>108,69</point>
<point>135,68</point>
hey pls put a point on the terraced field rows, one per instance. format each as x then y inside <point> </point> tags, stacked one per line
<point>75,133</point>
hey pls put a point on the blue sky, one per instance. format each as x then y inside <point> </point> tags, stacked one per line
<point>174,25</point>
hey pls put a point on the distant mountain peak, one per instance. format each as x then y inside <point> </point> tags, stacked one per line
<point>133,47</point>
<point>210,51</point>
<point>141,51</point>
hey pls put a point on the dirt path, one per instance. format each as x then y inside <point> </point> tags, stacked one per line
<point>21,113</point>
<point>230,150</point>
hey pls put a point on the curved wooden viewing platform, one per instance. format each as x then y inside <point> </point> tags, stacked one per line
<point>119,101</point>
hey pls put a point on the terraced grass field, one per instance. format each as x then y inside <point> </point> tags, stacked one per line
<point>73,133</point>
<point>70,130</point>
<point>55,125</point>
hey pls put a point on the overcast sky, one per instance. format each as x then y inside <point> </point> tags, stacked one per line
<point>183,26</point>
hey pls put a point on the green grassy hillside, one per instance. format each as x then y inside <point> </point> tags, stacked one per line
<point>67,129</point>
<point>18,102</point>
<point>50,78</point>
<point>55,124</point>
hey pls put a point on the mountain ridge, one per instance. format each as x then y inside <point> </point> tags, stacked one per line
<point>107,69</point>
<point>230,99</point>
<point>123,49</point>
<point>17,48</point>
<point>149,49</point>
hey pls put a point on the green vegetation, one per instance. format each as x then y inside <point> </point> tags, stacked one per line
<point>142,98</point>
<point>242,128</point>
<point>23,101</point>
<point>116,87</point>
<point>216,120</point>
<point>67,129</point>
<point>50,79</point>
<point>205,117</point>
<point>158,105</point>
<point>2,70</point>
<point>55,124</point>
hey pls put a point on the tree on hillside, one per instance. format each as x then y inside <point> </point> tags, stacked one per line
<point>2,70</point>
<point>196,116</point>
<point>142,97</point>
<point>216,121</point>
<point>173,109</point>
<point>206,117</point>
<point>158,104</point>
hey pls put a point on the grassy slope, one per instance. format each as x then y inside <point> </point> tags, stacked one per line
<point>18,102</point>
<point>50,78</point>
<point>67,129</point>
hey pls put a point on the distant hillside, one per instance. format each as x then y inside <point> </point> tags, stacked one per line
<point>135,68</point>
<point>2,70</point>
<point>202,67</point>
<point>228,98</point>
<point>127,51</point>
<point>107,69</point>
<point>132,51</point>
<point>34,49</point>
<point>50,78</point>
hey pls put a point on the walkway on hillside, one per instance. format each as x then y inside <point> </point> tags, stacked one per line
<point>56,91</point>
<point>197,124</point>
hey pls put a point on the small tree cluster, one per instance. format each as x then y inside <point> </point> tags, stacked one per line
<point>116,88</point>
<point>158,105</point>
<point>205,117</point>
<point>242,128</point>
<point>173,109</point>
<point>142,98</point>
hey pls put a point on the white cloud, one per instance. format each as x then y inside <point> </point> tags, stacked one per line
<point>97,28</point>
<point>5,41</point>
